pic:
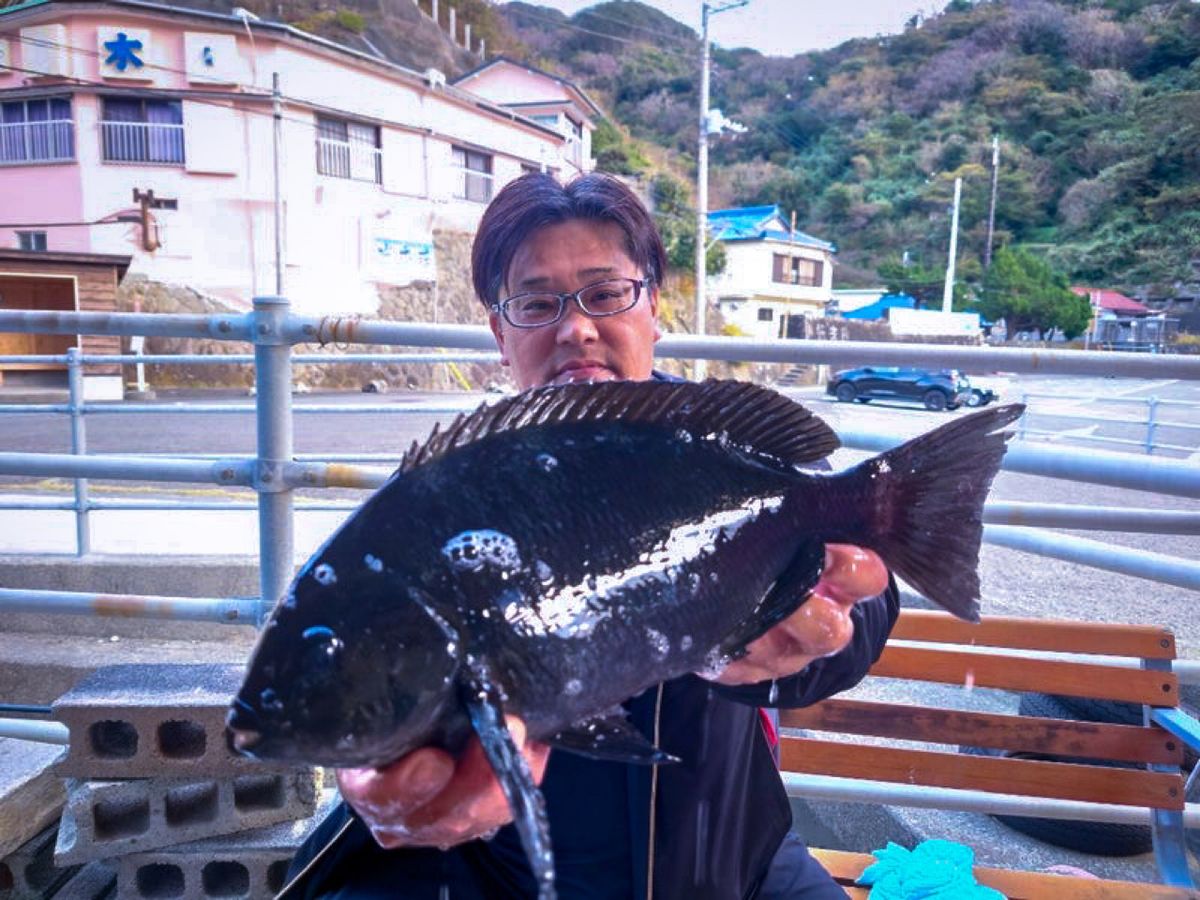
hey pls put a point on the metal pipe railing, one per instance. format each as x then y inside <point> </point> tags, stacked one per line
<point>224,610</point>
<point>853,790</point>
<point>35,730</point>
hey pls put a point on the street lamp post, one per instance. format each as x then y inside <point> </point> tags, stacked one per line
<point>707,9</point>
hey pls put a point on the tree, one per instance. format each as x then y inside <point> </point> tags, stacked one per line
<point>1029,294</point>
<point>925,284</point>
<point>676,220</point>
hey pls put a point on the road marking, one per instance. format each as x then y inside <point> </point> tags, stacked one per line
<point>1152,386</point>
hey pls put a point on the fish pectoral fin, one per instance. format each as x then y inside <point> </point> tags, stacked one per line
<point>479,696</point>
<point>610,737</point>
<point>786,595</point>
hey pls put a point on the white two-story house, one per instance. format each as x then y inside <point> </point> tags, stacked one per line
<point>772,272</point>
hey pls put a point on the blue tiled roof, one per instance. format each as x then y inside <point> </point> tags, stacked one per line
<point>879,307</point>
<point>756,223</point>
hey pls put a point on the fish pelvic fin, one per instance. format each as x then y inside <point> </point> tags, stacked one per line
<point>786,595</point>
<point>925,505</point>
<point>528,806</point>
<point>610,737</point>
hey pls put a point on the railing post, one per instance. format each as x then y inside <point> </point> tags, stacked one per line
<point>1151,424</point>
<point>83,531</point>
<point>273,382</point>
<point>1024,416</point>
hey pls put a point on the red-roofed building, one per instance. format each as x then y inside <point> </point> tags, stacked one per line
<point>1124,323</point>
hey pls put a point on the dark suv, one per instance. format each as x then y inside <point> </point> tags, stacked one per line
<point>937,390</point>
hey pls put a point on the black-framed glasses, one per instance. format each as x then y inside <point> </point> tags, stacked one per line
<point>604,298</point>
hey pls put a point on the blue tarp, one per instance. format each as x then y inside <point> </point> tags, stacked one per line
<point>877,309</point>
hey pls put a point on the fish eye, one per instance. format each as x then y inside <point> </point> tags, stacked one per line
<point>322,647</point>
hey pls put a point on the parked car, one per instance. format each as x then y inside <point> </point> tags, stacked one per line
<point>936,390</point>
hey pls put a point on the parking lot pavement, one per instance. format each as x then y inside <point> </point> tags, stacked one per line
<point>1013,583</point>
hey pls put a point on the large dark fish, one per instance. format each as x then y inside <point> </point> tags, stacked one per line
<point>558,552</point>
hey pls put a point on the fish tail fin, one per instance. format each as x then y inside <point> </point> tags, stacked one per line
<point>925,505</point>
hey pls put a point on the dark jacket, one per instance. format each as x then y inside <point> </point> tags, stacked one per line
<point>718,816</point>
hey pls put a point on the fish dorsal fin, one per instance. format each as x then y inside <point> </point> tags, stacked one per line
<point>754,418</point>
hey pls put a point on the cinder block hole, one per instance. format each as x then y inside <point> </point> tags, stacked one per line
<point>191,804</point>
<point>225,878</point>
<point>113,739</point>
<point>7,882</point>
<point>181,739</point>
<point>276,873</point>
<point>40,873</point>
<point>257,792</point>
<point>120,818</point>
<point>155,880</point>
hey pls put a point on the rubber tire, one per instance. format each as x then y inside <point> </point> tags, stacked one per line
<point>846,392</point>
<point>1088,710</point>
<point>1098,838</point>
<point>975,398</point>
<point>863,399</point>
<point>935,401</point>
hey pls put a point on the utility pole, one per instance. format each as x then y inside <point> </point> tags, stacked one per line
<point>276,140</point>
<point>706,9</point>
<point>948,289</point>
<point>987,250</point>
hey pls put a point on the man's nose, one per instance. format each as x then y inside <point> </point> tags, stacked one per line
<point>575,327</point>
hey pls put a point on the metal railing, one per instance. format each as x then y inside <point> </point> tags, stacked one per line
<point>276,471</point>
<point>153,142</point>
<point>357,160</point>
<point>30,142</point>
<point>1150,424</point>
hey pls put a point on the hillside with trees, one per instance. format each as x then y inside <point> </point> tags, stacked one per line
<point>1096,104</point>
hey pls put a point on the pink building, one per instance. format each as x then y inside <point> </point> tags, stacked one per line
<point>138,130</point>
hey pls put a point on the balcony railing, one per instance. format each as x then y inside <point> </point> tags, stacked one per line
<point>149,142</point>
<point>349,159</point>
<point>34,142</point>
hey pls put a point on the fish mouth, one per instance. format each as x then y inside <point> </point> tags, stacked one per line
<point>243,730</point>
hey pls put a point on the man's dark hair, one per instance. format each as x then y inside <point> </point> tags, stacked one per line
<point>536,200</point>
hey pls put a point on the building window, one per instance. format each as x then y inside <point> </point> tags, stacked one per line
<point>798,270</point>
<point>141,130</point>
<point>36,130</point>
<point>476,181</point>
<point>31,240</point>
<point>349,150</point>
<point>766,314</point>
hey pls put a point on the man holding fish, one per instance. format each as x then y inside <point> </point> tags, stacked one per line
<point>571,278</point>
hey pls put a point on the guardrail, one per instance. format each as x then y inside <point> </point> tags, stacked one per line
<point>275,471</point>
<point>1151,423</point>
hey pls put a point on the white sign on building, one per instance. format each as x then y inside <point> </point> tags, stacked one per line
<point>397,260</point>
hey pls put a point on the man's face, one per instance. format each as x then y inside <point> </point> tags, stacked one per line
<point>563,258</point>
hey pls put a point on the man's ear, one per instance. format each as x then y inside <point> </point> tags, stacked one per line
<point>654,313</point>
<point>498,334</point>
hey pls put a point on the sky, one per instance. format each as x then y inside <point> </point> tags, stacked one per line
<point>784,27</point>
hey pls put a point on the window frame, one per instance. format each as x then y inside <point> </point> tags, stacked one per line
<point>476,185</point>
<point>33,238</point>
<point>157,143</point>
<point>350,149</point>
<point>54,131</point>
<point>787,269</point>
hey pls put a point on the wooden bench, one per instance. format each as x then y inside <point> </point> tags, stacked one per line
<point>1021,655</point>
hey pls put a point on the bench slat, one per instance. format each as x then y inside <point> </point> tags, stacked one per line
<point>846,867</point>
<point>1034,778</point>
<point>1017,673</point>
<point>1128,743</point>
<point>1060,636</point>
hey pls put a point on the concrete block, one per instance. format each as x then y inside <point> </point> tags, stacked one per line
<point>152,721</point>
<point>31,797</point>
<point>94,881</point>
<point>111,818</point>
<point>249,865</point>
<point>30,873</point>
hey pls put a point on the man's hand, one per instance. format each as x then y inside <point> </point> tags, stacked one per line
<point>428,799</point>
<point>821,626</point>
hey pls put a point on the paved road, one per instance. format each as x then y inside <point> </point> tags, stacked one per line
<point>1014,582</point>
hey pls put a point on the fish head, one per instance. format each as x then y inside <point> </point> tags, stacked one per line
<point>357,675</point>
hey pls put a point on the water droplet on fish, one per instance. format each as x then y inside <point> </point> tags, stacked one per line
<point>773,693</point>
<point>451,647</point>
<point>544,573</point>
<point>658,643</point>
<point>685,642</point>
<point>325,575</point>
<point>590,581</point>
<point>683,436</point>
<point>374,563</point>
<point>573,687</point>
<point>546,462</point>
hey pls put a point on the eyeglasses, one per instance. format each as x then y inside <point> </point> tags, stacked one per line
<point>604,298</point>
